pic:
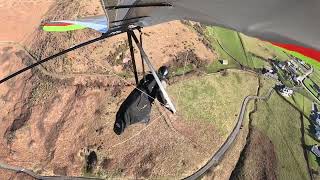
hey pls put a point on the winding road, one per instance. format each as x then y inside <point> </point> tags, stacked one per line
<point>231,138</point>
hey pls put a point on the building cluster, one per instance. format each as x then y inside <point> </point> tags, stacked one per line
<point>284,90</point>
<point>315,117</point>
<point>294,70</point>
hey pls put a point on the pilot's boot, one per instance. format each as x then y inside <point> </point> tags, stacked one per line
<point>118,127</point>
<point>146,120</point>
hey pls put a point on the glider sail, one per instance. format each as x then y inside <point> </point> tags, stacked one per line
<point>98,23</point>
<point>280,22</point>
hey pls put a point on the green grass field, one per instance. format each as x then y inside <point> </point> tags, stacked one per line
<point>213,98</point>
<point>231,42</point>
<point>304,104</point>
<point>257,62</point>
<point>309,84</point>
<point>281,123</point>
<point>265,85</point>
<point>315,76</point>
<point>181,70</point>
<point>247,51</point>
<point>211,35</point>
<point>263,49</point>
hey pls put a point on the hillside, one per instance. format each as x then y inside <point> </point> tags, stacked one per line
<point>65,109</point>
<point>57,119</point>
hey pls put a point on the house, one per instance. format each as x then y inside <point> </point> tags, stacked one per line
<point>292,69</point>
<point>315,115</point>
<point>317,131</point>
<point>314,107</point>
<point>269,72</point>
<point>224,62</point>
<point>315,150</point>
<point>303,64</point>
<point>284,91</point>
<point>281,65</point>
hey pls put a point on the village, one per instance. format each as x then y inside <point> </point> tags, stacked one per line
<point>293,75</point>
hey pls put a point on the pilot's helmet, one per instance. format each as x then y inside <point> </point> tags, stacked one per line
<point>163,72</point>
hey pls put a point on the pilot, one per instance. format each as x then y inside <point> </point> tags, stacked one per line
<point>137,107</point>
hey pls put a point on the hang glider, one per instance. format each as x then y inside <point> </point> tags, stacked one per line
<point>101,24</point>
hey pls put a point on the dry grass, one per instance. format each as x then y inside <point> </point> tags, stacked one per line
<point>213,98</point>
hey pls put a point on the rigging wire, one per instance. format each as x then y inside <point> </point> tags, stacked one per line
<point>161,114</point>
<point>113,32</point>
<point>128,19</point>
<point>160,4</point>
<point>142,62</point>
<point>132,58</point>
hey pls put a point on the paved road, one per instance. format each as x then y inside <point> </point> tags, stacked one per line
<point>231,138</point>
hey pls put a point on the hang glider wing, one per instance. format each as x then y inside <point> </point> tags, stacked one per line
<point>98,23</point>
<point>292,25</point>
